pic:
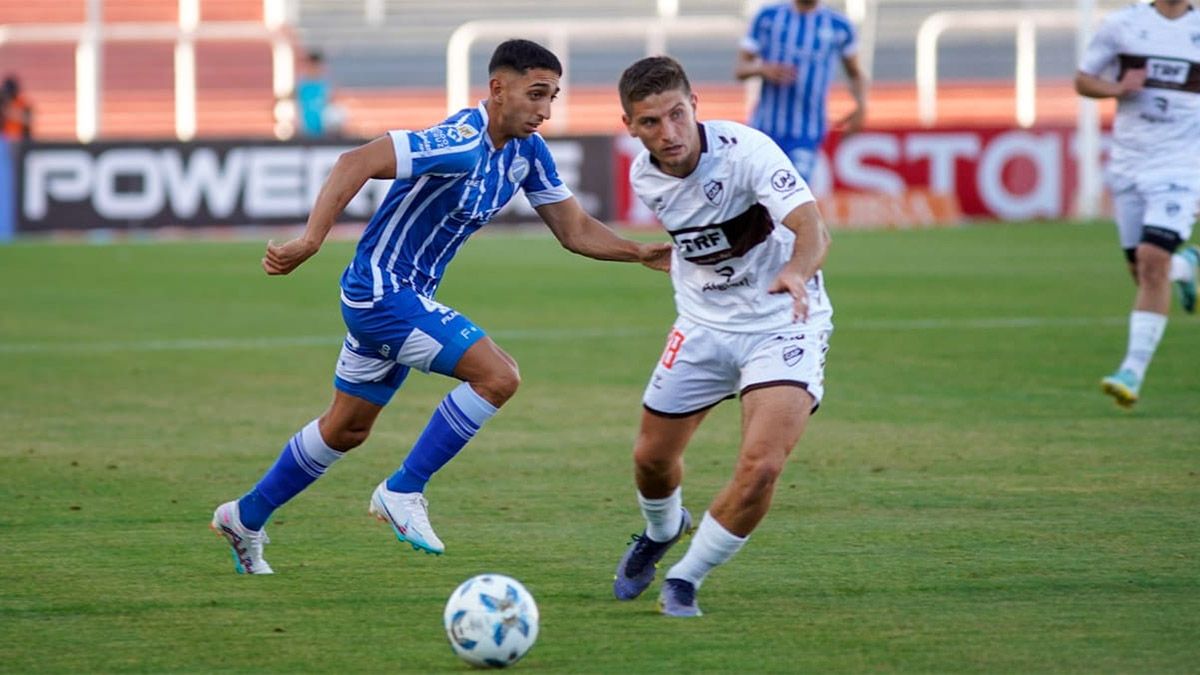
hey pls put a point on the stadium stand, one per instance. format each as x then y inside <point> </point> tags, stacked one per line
<point>387,59</point>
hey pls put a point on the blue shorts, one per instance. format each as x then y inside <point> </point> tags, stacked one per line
<point>804,159</point>
<point>399,332</point>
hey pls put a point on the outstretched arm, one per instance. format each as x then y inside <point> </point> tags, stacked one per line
<point>376,159</point>
<point>808,254</point>
<point>580,233</point>
<point>852,122</point>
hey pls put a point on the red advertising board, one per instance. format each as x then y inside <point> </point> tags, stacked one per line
<point>995,173</point>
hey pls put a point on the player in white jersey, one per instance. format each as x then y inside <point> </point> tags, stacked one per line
<point>754,321</point>
<point>1152,52</point>
<point>793,46</point>
<point>450,180</point>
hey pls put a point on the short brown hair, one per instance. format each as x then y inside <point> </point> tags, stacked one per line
<point>649,76</point>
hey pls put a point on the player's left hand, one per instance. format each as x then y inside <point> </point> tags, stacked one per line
<point>656,256</point>
<point>285,257</point>
<point>789,282</point>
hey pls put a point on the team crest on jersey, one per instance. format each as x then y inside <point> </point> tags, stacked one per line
<point>783,181</point>
<point>1196,39</point>
<point>467,131</point>
<point>519,170</point>
<point>714,192</point>
<point>1173,209</point>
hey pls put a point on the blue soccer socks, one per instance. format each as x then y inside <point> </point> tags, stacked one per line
<point>303,460</point>
<point>456,421</point>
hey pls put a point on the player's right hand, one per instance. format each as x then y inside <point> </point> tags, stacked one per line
<point>285,257</point>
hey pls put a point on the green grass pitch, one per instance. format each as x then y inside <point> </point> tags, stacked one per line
<point>965,501</point>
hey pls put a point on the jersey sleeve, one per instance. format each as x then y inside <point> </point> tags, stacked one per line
<point>849,42</point>
<point>542,185</point>
<point>1102,50</point>
<point>774,179</point>
<point>446,149</point>
<point>755,40</point>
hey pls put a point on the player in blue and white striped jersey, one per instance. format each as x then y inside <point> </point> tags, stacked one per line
<point>450,180</point>
<point>792,46</point>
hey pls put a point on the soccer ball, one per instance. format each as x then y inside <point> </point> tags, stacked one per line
<point>491,621</point>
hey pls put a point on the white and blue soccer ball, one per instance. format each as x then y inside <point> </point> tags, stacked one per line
<point>491,621</point>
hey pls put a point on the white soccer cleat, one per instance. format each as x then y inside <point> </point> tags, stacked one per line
<point>408,514</point>
<point>245,545</point>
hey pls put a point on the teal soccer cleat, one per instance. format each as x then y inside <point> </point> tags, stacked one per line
<point>678,598</point>
<point>1186,290</point>
<point>637,566</point>
<point>1123,386</point>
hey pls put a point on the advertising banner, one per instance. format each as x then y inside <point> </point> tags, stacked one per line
<point>147,185</point>
<point>916,177</point>
<point>893,178</point>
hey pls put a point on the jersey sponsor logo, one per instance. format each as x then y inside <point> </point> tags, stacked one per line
<point>783,181</point>
<point>702,243</point>
<point>1163,72</point>
<point>674,343</point>
<point>519,170</point>
<point>1174,71</point>
<point>714,192</point>
<point>718,242</point>
<point>721,286</point>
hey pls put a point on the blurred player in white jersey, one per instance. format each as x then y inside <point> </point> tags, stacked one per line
<point>1153,54</point>
<point>793,47</point>
<point>754,321</point>
<point>450,180</point>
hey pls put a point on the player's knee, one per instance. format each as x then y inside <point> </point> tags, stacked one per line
<point>759,474</point>
<point>500,384</point>
<point>346,437</point>
<point>651,465</point>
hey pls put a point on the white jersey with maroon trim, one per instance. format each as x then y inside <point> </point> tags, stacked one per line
<point>726,221</point>
<point>1158,129</point>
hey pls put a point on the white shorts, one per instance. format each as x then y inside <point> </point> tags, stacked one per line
<point>702,366</point>
<point>1157,202</point>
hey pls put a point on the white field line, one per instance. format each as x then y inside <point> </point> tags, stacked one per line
<point>561,334</point>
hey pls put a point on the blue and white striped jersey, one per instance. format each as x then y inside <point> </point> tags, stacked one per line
<point>813,41</point>
<point>450,181</point>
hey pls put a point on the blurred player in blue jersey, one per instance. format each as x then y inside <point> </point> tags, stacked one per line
<point>450,180</point>
<point>792,46</point>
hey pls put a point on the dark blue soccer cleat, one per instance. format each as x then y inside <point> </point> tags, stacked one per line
<point>637,566</point>
<point>678,598</point>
